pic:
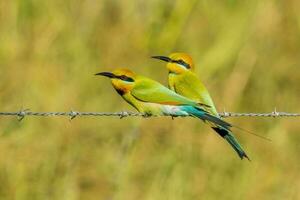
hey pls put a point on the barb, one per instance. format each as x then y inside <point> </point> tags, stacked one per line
<point>73,114</point>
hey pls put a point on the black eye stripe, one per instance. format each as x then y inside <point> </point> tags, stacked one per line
<point>181,62</point>
<point>125,78</point>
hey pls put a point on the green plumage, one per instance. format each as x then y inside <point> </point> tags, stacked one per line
<point>189,85</point>
<point>151,97</point>
<point>151,91</point>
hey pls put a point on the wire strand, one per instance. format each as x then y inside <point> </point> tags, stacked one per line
<point>72,114</point>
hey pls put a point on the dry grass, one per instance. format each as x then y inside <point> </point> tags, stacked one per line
<point>246,53</point>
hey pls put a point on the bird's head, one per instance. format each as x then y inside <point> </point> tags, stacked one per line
<point>123,80</point>
<point>177,62</point>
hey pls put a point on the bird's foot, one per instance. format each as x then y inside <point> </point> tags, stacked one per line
<point>146,115</point>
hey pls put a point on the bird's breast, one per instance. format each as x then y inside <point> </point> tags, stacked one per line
<point>173,110</point>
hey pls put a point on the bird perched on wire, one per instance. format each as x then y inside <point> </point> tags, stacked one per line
<point>152,98</point>
<point>184,81</point>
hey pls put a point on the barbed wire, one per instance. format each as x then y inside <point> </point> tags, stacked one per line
<point>72,114</point>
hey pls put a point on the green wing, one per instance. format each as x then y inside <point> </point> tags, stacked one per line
<point>190,86</point>
<point>148,90</point>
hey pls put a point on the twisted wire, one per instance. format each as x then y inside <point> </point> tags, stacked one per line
<point>72,114</point>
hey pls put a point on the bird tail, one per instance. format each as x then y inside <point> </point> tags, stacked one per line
<point>205,116</point>
<point>220,126</point>
<point>227,135</point>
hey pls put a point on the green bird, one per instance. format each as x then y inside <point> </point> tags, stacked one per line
<point>184,81</point>
<point>152,98</point>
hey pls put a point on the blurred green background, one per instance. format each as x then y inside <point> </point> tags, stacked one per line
<point>247,53</point>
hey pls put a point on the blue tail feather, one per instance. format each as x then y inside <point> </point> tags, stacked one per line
<point>227,135</point>
<point>220,126</point>
<point>202,114</point>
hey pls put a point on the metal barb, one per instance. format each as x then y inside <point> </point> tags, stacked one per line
<point>21,114</point>
<point>275,113</point>
<point>123,114</point>
<point>73,114</point>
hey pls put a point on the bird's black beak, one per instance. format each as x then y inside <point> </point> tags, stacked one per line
<point>107,74</point>
<point>164,58</point>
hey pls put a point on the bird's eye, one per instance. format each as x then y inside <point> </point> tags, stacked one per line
<point>125,78</point>
<point>181,62</point>
<point>122,77</point>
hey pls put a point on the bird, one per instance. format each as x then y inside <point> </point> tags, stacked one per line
<point>152,98</point>
<point>184,81</point>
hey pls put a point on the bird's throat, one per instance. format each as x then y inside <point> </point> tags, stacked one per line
<point>120,91</point>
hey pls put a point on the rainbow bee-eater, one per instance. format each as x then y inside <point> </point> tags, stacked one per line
<point>152,98</point>
<point>184,81</point>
